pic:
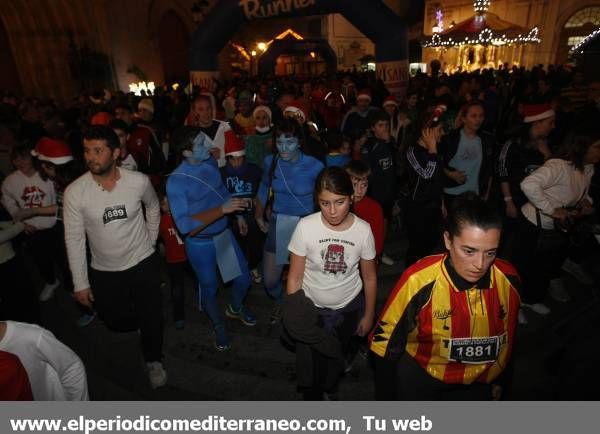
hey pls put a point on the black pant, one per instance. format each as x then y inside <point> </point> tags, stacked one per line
<point>538,257</point>
<point>405,380</point>
<point>131,299</point>
<point>18,301</point>
<point>176,271</point>
<point>424,230</point>
<point>252,244</point>
<point>43,245</point>
<point>327,372</point>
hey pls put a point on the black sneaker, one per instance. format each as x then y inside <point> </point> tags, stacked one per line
<point>275,317</point>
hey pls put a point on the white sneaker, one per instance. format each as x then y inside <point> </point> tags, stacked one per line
<point>558,291</point>
<point>522,317</point>
<point>385,259</point>
<point>255,274</point>
<point>156,374</point>
<point>540,308</point>
<point>578,272</point>
<point>48,290</point>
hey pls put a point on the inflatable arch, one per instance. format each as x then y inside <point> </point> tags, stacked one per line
<point>373,18</point>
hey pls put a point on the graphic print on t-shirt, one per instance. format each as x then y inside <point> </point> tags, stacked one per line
<point>334,259</point>
<point>112,213</point>
<point>32,197</point>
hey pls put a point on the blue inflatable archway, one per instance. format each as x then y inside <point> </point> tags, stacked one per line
<point>373,18</point>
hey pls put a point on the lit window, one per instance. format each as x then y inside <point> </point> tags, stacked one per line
<point>574,40</point>
<point>583,17</point>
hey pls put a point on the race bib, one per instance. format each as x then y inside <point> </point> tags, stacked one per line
<point>113,213</point>
<point>474,350</point>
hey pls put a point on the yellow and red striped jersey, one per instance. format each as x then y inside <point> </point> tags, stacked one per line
<point>458,332</point>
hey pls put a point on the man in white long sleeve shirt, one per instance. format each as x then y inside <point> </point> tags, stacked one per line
<point>106,205</point>
<point>54,370</point>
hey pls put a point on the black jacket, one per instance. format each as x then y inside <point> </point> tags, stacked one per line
<point>449,146</point>
<point>425,176</point>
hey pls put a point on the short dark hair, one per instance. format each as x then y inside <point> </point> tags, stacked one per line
<point>183,138</point>
<point>378,115</point>
<point>334,179</point>
<point>119,124</point>
<point>468,209</point>
<point>102,132</point>
<point>19,151</point>
<point>124,107</point>
<point>467,106</point>
<point>334,140</point>
<point>289,126</point>
<point>358,169</point>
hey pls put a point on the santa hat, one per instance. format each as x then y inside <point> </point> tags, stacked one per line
<point>234,146</point>
<point>364,94</point>
<point>146,104</point>
<point>52,150</point>
<point>537,112</point>
<point>101,118</point>
<point>390,100</point>
<point>262,108</point>
<point>297,110</point>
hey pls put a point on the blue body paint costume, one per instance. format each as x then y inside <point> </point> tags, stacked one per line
<point>293,186</point>
<point>193,188</point>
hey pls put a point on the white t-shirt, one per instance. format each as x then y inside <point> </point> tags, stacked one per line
<point>129,163</point>
<point>20,192</point>
<point>54,370</point>
<point>331,273</point>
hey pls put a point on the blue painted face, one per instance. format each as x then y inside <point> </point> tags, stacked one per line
<point>200,151</point>
<point>288,147</point>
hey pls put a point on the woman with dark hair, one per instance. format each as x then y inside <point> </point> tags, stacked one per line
<point>467,153</point>
<point>331,286</point>
<point>558,196</point>
<point>518,158</point>
<point>448,327</point>
<point>284,196</point>
<point>423,207</point>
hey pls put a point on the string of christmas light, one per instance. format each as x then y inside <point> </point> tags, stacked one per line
<point>485,37</point>
<point>584,41</point>
<point>481,6</point>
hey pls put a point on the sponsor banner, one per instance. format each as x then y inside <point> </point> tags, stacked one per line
<point>394,75</point>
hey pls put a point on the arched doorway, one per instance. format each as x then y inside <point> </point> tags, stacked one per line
<point>9,75</point>
<point>174,43</point>
<point>577,27</point>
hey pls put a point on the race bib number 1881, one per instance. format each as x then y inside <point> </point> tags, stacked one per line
<point>474,350</point>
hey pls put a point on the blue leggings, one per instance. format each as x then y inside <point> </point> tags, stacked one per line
<point>203,258</point>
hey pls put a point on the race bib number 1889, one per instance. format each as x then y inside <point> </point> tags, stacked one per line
<point>474,350</point>
<point>113,213</point>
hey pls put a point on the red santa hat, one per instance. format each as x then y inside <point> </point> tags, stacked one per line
<point>364,94</point>
<point>390,100</point>
<point>53,151</point>
<point>101,118</point>
<point>234,146</point>
<point>536,112</point>
<point>297,110</point>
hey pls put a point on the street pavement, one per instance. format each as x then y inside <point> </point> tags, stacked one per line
<point>556,356</point>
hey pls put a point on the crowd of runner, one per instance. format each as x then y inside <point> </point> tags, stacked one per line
<point>295,184</point>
